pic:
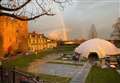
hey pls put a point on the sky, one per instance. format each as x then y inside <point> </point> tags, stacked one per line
<point>76,19</point>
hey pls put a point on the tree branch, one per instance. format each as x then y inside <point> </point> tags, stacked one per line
<point>59,1</point>
<point>24,18</point>
<point>40,5</point>
<point>13,12</point>
<point>15,9</point>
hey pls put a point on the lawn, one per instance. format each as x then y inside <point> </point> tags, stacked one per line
<point>66,48</point>
<point>50,78</point>
<point>54,79</point>
<point>24,61</point>
<point>98,75</point>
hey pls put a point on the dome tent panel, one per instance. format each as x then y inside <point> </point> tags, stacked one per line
<point>100,46</point>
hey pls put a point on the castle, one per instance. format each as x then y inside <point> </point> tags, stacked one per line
<point>12,35</point>
<point>38,42</point>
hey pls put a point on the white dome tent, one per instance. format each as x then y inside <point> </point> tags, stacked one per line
<point>99,46</point>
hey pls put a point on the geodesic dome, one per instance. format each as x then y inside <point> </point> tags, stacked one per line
<point>100,46</point>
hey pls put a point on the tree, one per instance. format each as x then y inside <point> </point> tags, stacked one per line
<point>29,9</point>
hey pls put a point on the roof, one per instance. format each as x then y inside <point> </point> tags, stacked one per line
<point>100,46</point>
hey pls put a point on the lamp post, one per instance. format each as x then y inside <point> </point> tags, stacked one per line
<point>0,63</point>
<point>1,70</point>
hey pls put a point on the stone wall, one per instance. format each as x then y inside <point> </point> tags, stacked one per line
<point>13,34</point>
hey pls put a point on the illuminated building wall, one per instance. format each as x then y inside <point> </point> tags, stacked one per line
<point>38,42</point>
<point>13,34</point>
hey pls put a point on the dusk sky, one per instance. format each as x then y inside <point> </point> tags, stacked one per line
<point>78,18</point>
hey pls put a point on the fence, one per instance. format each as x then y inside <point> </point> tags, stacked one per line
<point>11,75</point>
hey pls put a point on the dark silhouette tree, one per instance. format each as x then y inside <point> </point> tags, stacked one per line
<point>29,9</point>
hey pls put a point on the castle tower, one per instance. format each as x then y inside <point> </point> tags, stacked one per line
<point>12,34</point>
<point>93,32</point>
<point>115,35</point>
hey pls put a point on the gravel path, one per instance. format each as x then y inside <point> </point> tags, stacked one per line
<point>82,74</point>
<point>78,73</point>
<point>59,69</point>
<point>34,66</point>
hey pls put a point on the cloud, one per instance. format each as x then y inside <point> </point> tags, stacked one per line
<point>78,19</point>
<point>59,34</point>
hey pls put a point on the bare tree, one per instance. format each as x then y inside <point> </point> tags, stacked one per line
<point>29,9</point>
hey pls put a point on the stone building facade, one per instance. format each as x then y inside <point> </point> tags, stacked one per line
<point>12,35</point>
<point>38,42</point>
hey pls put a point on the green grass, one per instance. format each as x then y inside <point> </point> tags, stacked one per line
<point>24,61</point>
<point>98,75</point>
<point>50,78</point>
<point>54,79</point>
<point>66,48</point>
